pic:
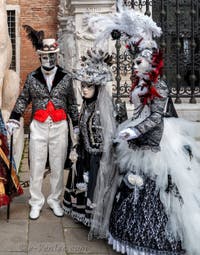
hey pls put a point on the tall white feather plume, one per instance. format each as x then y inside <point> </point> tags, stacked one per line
<point>133,24</point>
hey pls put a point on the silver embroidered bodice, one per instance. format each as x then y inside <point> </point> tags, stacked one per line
<point>147,118</point>
<point>90,128</point>
<point>141,111</point>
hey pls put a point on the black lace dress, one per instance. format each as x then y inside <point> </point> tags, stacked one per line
<point>79,190</point>
<point>138,222</point>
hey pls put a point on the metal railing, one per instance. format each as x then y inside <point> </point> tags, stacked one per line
<point>179,20</point>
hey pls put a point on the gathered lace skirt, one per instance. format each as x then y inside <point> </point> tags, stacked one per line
<point>162,215</point>
<point>138,222</point>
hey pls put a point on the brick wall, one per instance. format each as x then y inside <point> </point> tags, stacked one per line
<point>41,15</point>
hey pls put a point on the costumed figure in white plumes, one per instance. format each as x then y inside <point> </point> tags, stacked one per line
<point>50,90</point>
<point>157,204</point>
<point>97,127</point>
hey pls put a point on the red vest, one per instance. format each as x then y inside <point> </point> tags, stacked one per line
<point>55,114</point>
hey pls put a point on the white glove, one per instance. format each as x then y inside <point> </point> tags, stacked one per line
<point>128,134</point>
<point>12,125</point>
<point>73,156</point>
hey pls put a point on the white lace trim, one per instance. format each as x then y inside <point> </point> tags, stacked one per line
<point>77,216</point>
<point>126,249</point>
<point>67,210</point>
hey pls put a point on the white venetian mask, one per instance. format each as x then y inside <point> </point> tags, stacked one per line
<point>48,60</point>
<point>87,90</point>
<point>142,64</point>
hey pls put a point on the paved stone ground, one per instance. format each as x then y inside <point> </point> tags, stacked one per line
<point>49,235</point>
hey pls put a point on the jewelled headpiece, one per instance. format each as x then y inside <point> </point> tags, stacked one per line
<point>95,68</point>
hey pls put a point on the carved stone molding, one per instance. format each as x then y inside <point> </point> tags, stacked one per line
<point>74,37</point>
<point>73,34</point>
<point>63,8</point>
<point>99,6</point>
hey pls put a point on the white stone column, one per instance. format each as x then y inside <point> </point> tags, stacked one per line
<point>66,36</point>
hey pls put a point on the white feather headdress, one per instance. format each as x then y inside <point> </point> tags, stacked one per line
<point>132,24</point>
<point>95,68</point>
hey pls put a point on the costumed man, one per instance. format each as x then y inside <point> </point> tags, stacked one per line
<point>50,90</point>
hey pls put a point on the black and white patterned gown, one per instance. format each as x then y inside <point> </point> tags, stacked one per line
<point>138,221</point>
<point>78,196</point>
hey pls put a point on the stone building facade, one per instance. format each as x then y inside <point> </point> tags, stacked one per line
<point>64,19</point>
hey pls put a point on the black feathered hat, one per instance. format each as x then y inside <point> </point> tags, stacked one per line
<point>42,45</point>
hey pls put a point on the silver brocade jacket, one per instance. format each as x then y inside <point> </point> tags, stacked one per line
<point>35,91</point>
<point>90,128</point>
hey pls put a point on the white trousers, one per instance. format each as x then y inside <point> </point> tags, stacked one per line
<point>47,137</point>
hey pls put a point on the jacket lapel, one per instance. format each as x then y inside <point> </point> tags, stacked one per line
<point>58,76</point>
<point>39,76</point>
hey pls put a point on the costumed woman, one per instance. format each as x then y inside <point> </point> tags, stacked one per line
<point>157,204</point>
<point>97,127</point>
<point>9,183</point>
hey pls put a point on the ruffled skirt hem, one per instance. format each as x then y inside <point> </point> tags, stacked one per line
<point>77,216</point>
<point>125,248</point>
